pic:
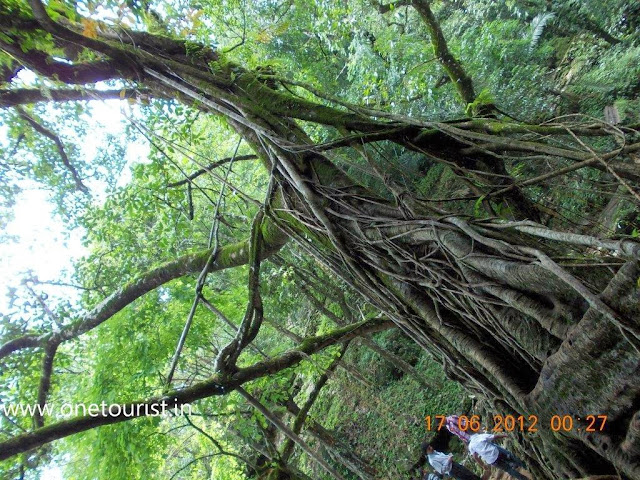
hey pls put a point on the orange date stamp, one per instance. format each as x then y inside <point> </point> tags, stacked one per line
<point>522,423</point>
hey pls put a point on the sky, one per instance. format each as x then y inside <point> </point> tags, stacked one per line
<point>42,245</point>
<point>52,474</point>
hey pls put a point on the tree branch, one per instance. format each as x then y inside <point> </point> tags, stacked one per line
<point>287,449</point>
<point>79,73</point>
<point>250,325</point>
<point>45,381</point>
<point>382,8</point>
<point>218,445</point>
<point>57,30</point>
<point>314,344</point>
<point>229,256</point>
<point>454,69</point>
<point>204,170</point>
<point>288,432</point>
<point>202,457</point>
<point>59,146</point>
<point>215,385</point>
<point>213,309</point>
<point>366,340</point>
<point>341,450</point>
<point>23,96</point>
<point>26,341</point>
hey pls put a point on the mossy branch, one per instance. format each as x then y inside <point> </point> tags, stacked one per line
<point>228,256</point>
<point>215,385</point>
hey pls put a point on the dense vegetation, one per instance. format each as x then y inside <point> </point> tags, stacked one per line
<point>352,215</point>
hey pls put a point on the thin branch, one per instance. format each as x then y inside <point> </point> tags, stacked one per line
<point>208,169</point>
<point>59,146</point>
<point>212,308</point>
<point>52,316</point>
<point>218,445</point>
<point>343,451</point>
<point>202,278</point>
<point>606,165</point>
<point>367,341</point>
<point>202,457</point>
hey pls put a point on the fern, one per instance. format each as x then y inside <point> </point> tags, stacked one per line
<point>537,25</point>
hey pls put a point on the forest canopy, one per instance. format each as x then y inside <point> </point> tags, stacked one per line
<point>308,225</point>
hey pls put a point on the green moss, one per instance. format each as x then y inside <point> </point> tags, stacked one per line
<point>482,105</point>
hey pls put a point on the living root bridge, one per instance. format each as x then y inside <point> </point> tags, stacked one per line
<point>451,284</point>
